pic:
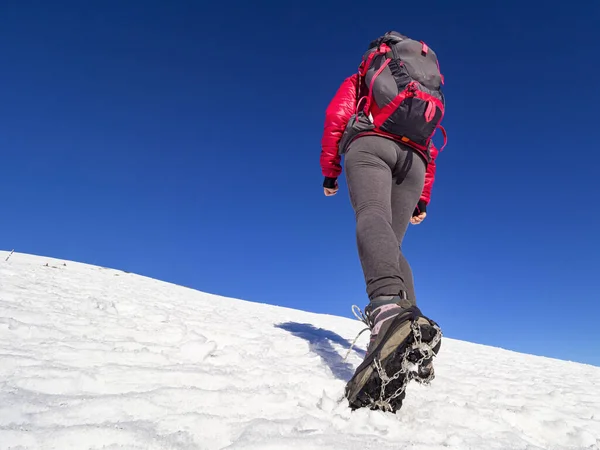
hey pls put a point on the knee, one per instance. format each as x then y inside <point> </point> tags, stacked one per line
<point>373,211</point>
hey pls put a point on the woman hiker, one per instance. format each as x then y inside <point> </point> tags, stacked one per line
<point>382,120</point>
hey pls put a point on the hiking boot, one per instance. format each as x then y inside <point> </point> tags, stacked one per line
<point>401,348</point>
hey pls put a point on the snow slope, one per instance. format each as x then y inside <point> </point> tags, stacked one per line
<point>98,358</point>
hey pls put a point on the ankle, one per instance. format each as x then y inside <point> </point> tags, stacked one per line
<point>400,298</point>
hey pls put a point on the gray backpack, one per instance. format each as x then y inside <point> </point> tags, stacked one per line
<point>400,93</point>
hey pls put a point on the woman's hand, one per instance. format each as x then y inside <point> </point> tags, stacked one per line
<point>330,186</point>
<point>416,220</point>
<point>419,213</point>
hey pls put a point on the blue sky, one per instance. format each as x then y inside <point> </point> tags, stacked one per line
<point>180,140</point>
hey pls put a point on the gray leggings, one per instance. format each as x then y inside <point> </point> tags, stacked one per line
<point>385,180</point>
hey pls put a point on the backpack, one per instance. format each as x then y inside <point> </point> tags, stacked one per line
<point>399,93</point>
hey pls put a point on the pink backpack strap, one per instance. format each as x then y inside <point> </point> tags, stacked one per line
<point>443,130</point>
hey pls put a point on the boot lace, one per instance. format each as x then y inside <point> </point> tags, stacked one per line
<point>364,318</point>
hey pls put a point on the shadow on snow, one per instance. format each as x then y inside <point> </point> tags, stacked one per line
<point>320,341</point>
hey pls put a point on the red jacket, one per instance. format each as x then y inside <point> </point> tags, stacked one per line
<point>339,111</point>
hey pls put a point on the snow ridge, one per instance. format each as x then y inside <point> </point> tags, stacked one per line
<point>95,358</point>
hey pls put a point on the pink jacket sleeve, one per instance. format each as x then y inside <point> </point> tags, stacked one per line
<point>429,176</point>
<point>339,111</point>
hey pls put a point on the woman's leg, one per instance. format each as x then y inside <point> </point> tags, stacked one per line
<point>409,178</point>
<point>384,182</point>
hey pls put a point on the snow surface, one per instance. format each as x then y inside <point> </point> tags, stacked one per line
<point>96,358</point>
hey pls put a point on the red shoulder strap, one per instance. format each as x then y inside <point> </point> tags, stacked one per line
<point>364,66</point>
<point>370,95</point>
<point>443,130</point>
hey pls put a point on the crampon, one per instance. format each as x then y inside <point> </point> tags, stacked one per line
<point>404,353</point>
